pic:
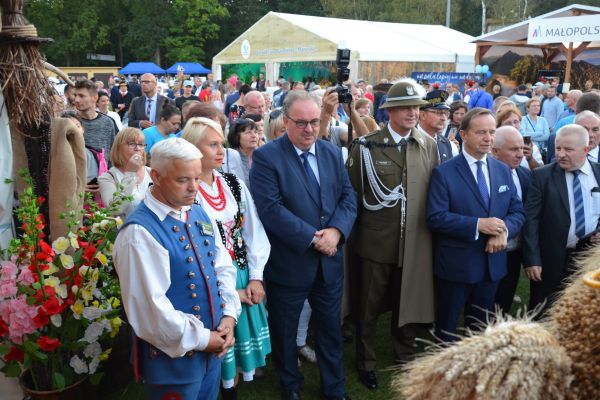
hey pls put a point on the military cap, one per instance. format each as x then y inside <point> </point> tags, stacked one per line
<point>436,99</point>
<point>403,94</point>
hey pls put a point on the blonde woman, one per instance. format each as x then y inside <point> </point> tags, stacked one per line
<point>128,158</point>
<point>227,200</point>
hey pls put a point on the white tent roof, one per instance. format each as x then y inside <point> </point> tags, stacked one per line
<point>519,30</point>
<point>383,41</point>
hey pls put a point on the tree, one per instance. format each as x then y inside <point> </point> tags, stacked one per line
<point>73,24</point>
<point>193,26</point>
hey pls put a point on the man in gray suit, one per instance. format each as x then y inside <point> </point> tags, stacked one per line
<point>145,110</point>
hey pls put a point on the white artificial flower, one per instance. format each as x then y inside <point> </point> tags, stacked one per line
<point>92,313</point>
<point>93,332</point>
<point>67,261</point>
<point>94,364</point>
<point>56,320</point>
<point>92,350</point>
<point>78,365</point>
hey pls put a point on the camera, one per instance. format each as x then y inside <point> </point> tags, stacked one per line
<point>342,61</point>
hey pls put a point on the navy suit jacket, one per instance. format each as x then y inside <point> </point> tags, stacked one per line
<point>291,213</point>
<point>455,205</point>
<point>524,175</point>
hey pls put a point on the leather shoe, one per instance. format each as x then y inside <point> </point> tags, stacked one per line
<point>291,395</point>
<point>368,379</point>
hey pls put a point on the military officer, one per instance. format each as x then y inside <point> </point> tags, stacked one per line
<point>390,172</point>
<point>432,121</point>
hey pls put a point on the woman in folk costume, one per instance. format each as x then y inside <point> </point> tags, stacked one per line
<point>226,198</point>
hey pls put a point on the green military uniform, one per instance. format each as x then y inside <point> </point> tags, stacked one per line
<point>393,246</point>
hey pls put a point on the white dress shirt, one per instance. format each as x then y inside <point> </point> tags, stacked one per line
<point>517,182</point>
<point>472,161</point>
<point>258,247</point>
<point>593,154</point>
<point>312,160</point>
<point>588,182</point>
<point>144,274</point>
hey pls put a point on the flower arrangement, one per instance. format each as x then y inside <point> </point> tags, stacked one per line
<point>59,303</point>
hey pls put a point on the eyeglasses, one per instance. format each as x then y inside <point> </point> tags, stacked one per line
<point>301,124</point>
<point>134,145</point>
<point>439,113</point>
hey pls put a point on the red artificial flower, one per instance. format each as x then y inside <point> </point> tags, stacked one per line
<point>15,354</point>
<point>52,306</point>
<point>40,200</point>
<point>46,253</point>
<point>89,253</point>
<point>41,319</point>
<point>41,295</point>
<point>3,328</point>
<point>47,344</point>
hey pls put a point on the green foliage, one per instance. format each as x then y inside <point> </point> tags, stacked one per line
<point>526,69</point>
<point>193,25</point>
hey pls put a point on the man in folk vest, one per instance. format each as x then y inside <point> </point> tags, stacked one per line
<point>177,282</point>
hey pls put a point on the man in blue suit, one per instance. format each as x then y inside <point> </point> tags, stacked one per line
<point>473,209</point>
<point>508,148</point>
<point>307,205</point>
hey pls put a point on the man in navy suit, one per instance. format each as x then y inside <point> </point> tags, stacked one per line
<point>307,205</point>
<point>508,148</point>
<point>473,209</point>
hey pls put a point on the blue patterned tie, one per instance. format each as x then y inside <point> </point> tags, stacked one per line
<point>579,210</point>
<point>482,183</point>
<point>312,179</point>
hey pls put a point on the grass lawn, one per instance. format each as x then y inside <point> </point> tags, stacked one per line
<point>268,388</point>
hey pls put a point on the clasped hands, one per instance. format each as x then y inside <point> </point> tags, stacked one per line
<point>254,293</point>
<point>223,338</point>
<point>326,241</point>
<point>495,228</point>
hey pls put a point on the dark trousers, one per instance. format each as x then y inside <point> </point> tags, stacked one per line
<point>380,292</point>
<point>285,305</point>
<point>545,292</point>
<point>476,300</point>
<point>508,285</point>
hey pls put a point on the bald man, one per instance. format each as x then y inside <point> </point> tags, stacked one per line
<point>508,148</point>
<point>561,215</point>
<point>145,109</point>
<point>254,103</point>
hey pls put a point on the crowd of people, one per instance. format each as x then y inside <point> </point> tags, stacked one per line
<point>260,214</point>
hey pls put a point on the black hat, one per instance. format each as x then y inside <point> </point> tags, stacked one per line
<point>436,99</point>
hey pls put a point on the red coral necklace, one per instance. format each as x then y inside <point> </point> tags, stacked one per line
<point>217,202</point>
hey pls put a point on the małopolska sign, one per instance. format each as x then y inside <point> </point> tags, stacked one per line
<point>569,29</point>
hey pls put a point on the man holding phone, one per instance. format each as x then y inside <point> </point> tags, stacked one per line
<point>561,214</point>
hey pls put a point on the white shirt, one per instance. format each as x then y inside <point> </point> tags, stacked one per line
<point>115,116</point>
<point>109,180</point>
<point>593,154</point>
<point>588,182</point>
<point>312,160</point>
<point>517,182</point>
<point>258,247</point>
<point>143,268</point>
<point>395,135</point>
<point>472,161</point>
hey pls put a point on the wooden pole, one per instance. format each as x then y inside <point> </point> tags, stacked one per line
<point>569,61</point>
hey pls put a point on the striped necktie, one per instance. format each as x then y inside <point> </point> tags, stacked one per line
<point>579,210</point>
<point>148,107</point>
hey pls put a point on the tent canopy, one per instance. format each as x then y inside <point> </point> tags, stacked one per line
<point>280,37</point>
<point>136,68</point>
<point>189,68</point>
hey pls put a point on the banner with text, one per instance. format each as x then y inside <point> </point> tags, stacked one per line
<point>568,29</point>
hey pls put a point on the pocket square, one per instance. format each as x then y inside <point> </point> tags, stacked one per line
<point>503,189</point>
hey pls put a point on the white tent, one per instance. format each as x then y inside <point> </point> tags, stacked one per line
<point>279,37</point>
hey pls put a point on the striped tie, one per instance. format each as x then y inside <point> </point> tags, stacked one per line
<point>579,210</point>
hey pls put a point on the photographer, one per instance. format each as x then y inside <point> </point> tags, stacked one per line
<point>331,128</point>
